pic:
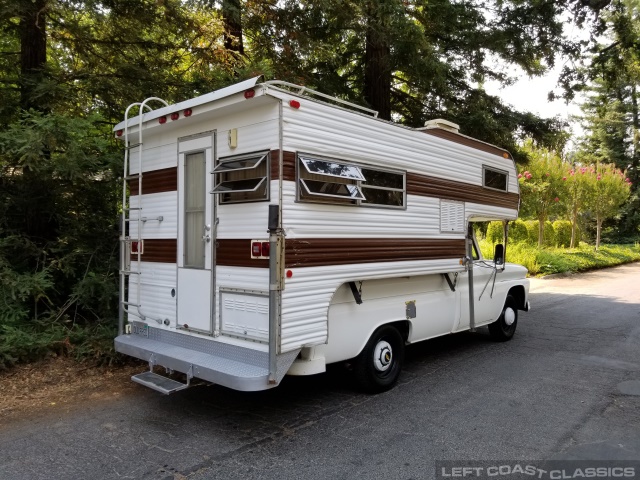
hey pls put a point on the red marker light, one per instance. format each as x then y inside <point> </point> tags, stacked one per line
<point>249,93</point>
<point>175,116</point>
<point>289,274</point>
<point>188,112</point>
<point>134,247</point>
<point>119,133</point>
<point>256,249</point>
<point>162,120</point>
<point>265,249</point>
<point>294,104</point>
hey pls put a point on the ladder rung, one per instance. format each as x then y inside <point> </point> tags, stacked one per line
<point>131,219</point>
<point>130,304</point>
<point>133,146</point>
<point>128,209</point>
<point>129,272</point>
<point>135,176</point>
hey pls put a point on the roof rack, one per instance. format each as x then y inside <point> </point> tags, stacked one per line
<point>300,90</point>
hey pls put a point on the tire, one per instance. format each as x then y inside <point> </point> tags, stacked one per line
<point>504,327</point>
<point>378,366</point>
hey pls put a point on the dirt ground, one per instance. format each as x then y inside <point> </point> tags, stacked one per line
<point>57,384</point>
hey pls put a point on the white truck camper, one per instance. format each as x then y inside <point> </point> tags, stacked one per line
<point>269,229</point>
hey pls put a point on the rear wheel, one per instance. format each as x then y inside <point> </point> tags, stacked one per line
<point>378,366</point>
<point>505,326</point>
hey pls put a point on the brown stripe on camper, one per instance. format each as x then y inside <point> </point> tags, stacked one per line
<point>288,165</point>
<point>437,187</point>
<point>315,252</point>
<point>163,250</point>
<point>237,253</point>
<point>468,141</point>
<point>156,181</point>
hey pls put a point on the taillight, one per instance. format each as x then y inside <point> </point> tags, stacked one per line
<point>260,249</point>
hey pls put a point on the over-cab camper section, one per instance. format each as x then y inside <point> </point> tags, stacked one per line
<point>271,229</point>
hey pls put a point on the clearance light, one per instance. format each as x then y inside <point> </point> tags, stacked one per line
<point>249,93</point>
<point>188,112</point>
<point>175,116</point>
<point>256,249</point>
<point>265,249</point>
<point>162,120</point>
<point>119,133</point>
<point>294,103</point>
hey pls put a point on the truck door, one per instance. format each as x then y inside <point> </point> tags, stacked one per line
<point>195,232</point>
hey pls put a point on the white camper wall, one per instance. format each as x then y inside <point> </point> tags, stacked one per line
<point>331,132</point>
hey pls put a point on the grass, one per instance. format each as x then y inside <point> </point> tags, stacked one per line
<point>547,260</point>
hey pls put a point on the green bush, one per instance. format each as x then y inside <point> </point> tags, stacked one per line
<point>532,230</point>
<point>549,234</point>
<point>495,232</point>
<point>518,232</point>
<point>562,230</point>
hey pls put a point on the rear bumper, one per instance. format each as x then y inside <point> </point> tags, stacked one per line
<point>232,366</point>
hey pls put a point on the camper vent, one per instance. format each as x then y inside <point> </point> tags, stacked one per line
<point>443,124</point>
<point>451,216</point>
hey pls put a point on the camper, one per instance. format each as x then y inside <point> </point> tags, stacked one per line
<point>269,229</point>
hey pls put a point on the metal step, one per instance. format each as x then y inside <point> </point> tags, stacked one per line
<point>158,382</point>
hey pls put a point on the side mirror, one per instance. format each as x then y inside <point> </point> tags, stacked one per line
<point>498,255</point>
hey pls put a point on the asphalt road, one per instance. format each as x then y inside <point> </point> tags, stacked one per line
<point>566,387</point>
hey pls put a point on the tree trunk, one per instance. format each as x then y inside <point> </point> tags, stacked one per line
<point>574,225</point>
<point>232,17</point>
<point>598,230</point>
<point>33,50</point>
<point>377,64</point>
<point>540,232</point>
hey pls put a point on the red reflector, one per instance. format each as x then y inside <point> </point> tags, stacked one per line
<point>188,112</point>
<point>162,120</point>
<point>249,93</point>
<point>256,249</point>
<point>265,249</point>
<point>289,274</point>
<point>175,116</point>
<point>294,103</point>
<point>119,132</point>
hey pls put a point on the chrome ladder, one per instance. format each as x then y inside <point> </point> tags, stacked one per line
<point>131,268</point>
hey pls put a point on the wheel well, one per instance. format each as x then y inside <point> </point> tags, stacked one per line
<point>403,327</point>
<point>519,295</point>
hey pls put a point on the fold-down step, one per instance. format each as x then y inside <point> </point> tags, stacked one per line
<point>158,382</point>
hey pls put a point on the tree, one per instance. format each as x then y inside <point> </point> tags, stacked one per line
<point>578,190</point>
<point>542,186</point>
<point>610,188</point>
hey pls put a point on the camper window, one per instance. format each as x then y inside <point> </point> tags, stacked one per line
<point>495,179</point>
<point>323,180</point>
<point>242,178</point>
<point>329,181</point>
<point>384,188</point>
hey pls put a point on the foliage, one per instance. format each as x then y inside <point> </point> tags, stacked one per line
<point>545,261</point>
<point>541,186</point>
<point>563,231</point>
<point>518,232</point>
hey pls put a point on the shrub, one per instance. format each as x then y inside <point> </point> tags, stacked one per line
<point>562,230</point>
<point>518,232</point>
<point>532,230</point>
<point>549,239</point>
<point>495,232</point>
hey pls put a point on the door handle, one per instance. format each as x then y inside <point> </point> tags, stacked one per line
<point>206,237</point>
